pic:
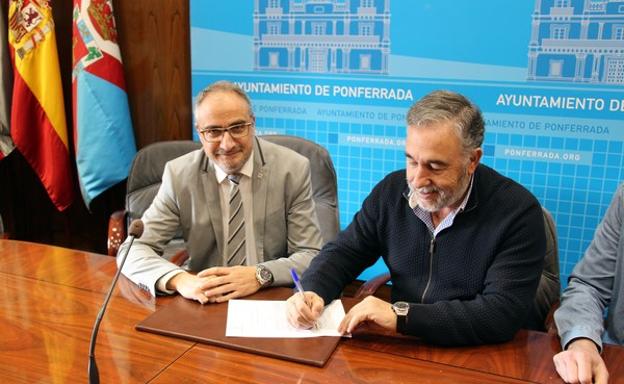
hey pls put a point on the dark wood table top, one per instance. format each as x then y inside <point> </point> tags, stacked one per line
<point>50,296</point>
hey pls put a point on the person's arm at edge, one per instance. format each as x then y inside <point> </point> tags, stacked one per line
<point>591,282</point>
<point>579,319</point>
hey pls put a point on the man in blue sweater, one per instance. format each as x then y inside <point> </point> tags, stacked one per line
<point>464,245</point>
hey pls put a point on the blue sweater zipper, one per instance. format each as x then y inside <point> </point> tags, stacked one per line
<point>431,251</point>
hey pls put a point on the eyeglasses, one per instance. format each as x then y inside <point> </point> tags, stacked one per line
<point>213,135</point>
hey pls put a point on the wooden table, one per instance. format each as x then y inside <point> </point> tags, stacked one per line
<point>50,296</point>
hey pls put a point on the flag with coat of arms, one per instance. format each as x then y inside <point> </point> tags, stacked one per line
<point>103,135</point>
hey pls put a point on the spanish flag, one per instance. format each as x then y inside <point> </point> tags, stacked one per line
<point>6,87</point>
<point>38,125</point>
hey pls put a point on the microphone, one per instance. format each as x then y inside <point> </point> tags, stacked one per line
<point>134,232</point>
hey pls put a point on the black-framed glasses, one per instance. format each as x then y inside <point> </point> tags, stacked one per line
<point>237,131</point>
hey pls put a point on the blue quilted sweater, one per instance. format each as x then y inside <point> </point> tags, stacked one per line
<point>473,283</point>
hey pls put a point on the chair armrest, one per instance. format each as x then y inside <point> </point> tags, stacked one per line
<point>371,286</point>
<point>117,234</point>
<point>116,231</point>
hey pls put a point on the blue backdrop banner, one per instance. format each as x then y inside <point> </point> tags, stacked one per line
<point>547,74</point>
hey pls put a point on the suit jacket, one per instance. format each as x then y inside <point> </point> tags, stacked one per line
<point>285,224</point>
<point>597,284</point>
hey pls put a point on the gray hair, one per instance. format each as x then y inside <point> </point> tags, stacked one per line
<point>447,106</point>
<point>220,86</point>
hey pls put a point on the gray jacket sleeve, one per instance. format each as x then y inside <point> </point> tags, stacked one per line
<point>590,285</point>
<point>144,264</point>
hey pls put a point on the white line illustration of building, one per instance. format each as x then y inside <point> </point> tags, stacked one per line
<point>322,36</point>
<point>577,41</point>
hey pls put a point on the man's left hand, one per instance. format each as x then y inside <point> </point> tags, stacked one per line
<point>230,282</point>
<point>371,309</point>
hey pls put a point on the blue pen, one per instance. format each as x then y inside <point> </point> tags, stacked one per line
<point>295,277</point>
<point>299,287</point>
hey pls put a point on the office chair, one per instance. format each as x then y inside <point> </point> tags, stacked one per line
<point>548,290</point>
<point>324,181</point>
<point>143,183</point>
<point>148,166</point>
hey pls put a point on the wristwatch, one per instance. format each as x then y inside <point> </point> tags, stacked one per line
<point>401,308</point>
<point>264,276</point>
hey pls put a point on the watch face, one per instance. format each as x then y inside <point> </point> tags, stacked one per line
<point>264,276</point>
<point>401,308</point>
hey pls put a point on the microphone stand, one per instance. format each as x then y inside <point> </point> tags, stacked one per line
<point>136,230</point>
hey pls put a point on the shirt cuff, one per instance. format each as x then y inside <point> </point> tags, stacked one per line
<point>161,284</point>
<point>580,333</point>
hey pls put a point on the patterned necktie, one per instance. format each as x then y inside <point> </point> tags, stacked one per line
<point>236,225</point>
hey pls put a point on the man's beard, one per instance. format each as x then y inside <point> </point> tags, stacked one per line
<point>445,197</point>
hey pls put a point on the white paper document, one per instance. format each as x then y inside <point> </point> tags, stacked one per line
<point>267,318</point>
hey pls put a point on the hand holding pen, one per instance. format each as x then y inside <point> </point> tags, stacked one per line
<point>304,308</point>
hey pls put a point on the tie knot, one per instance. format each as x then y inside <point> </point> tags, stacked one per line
<point>234,178</point>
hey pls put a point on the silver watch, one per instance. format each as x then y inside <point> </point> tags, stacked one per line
<point>401,308</point>
<point>264,276</point>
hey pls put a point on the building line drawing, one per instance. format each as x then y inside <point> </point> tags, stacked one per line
<point>577,41</point>
<point>322,36</point>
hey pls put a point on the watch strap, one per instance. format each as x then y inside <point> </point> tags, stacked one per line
<point>401,323</point>
<point>401,309</point>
